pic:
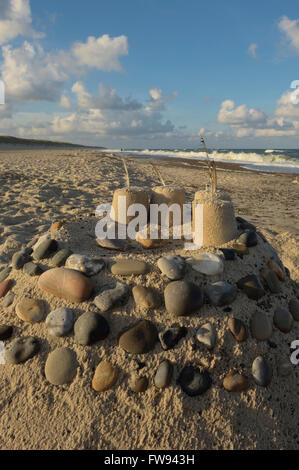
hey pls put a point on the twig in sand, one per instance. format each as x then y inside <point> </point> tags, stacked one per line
<point>127,173</point>
<point>212,168</point>
<point>158,173</point>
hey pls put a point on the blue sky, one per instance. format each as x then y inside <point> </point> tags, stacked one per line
<point>152,73</point>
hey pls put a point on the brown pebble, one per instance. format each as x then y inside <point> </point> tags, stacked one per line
<point>238,329</point>
<point>105,377</point>
<point>235,382</point>
<point>30,310</point>
<point>146,297</point>
<point>5,287</point>
<point>277,270</point>
<point>67,284</point>
<point>139,384</point>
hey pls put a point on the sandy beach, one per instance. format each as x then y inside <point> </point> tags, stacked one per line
<point>41,186</point>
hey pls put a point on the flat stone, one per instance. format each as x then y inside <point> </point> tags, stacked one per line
<point>45,249</point>
<point>163,375</point>
<point>5,273</point>
<point>30,310</point>
<point>261,326</point>
<point>207,335</point>
<point>172,267</point>
<point>146,297</point>
<point>8,300</point>
<point>116,244</point>
<point>90,328</point>
<point>139,339</point>
<point>61,366</point>
<point>67,284</point>
<point>182,298</point>
<point>229,254</point>
<point>21,258</point>
<point>139,384</point>
<point>248,238</point>
<point>6,332</point>
<point>238,329</point>
<point>261,371</point>
<point>128,267</point>
<point>59,259</point>
<point>221,293</point>
<point>251,286</point>
<point>21,350</point>
<point>294,308</point>
<point>194,381</point>
<point>5,287</point>
<point>208,264</point>
<point>271,280</point>
<point>280,273</point>
<point>170,338</point>
<point>105,377</point>
<point>32,269</point>
<point>283,320</point>
<point>85,264</point>
<point>235,382</point>
<point>41,239</point>
<point>60,322</point>
<point>111,295</point>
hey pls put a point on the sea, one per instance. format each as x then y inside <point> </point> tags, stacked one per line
<point>267,160</point>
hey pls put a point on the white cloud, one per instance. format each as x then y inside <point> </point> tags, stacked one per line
<point>252,50</point>
<point>240,115</point>
<point>65,102</point>
<point>291,30</point>
<point>156,94</point>
<point>101,53</point>
<point>15,20</point>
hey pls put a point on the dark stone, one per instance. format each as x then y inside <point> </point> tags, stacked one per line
<point>271,280</point>
<point>60,258</point>
<point>32,269</point>
<point>244,224</point>
<point>139,339</point>
<point>283,320</point>
<point>238,329</point>
<point>21,258</point>
<point>22,350</point>
<point>251,286</point>
<point>170,338</point>
<point>90,328</point>
<point>45,249</point>
<point>248,238</point>
<point>6,332</point>
<point>182,298</point>
<point>229,254</point>
<point>221,293</point>
<point>261,371</point>
<point>194,381</point>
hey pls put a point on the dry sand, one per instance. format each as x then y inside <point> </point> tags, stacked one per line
<point>39,187</point>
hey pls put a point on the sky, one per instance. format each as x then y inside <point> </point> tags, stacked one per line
<point>151,73</point>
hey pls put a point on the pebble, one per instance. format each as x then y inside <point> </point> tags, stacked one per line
<point>139,339</point>
<point>105,377</point>
<point>5,273</point>
<point>207,335</point>
<point>240,249</point>
<point>251,286</point>
<point>41,239</point>
<point>229,254</point>
<point>146,297</point>
<point>182,298</point>
<point>294,308</point>
<point>45,249</point>
<point>67,284</point>
<point>194,381</point>
<point>221,293</point>
<point>61,366</point>
<point>261,371</point>
<point>277,270</point>
<point>271,280</point>
<point>60,322</point>
<point>163,375</point>
<point>30,310</point>
<point>85,264</point>
<point>139,384</point>
<point>90,328</point>
<point>110,295</point>
<point>235,382</point>
<point>8,300</point>
<point>208,264</point>
<point>32,269</point>
<point>21,350</point>
<point>21,258</point>
<point>170,338</point>
<point>172,267</point>
<point>6,332</point>
<point>261,326</point>
<point>116,244</point>
<point>127,267</point>
<point>244,224</point>
<point>248,238</point>
<point>60,258</point>
<point>57,225</point>
<point>238,329</point>
<point>283,320</point>
<point>5,287</point>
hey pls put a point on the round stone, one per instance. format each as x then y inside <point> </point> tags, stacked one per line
<point>261,326</point>
<point>172,267</point>
<point>128,267</point>
<point>163,375</point>
<point>67,284</point>
<point>21,258</point>
<point>5,287</point>
<point>110,295</point>
<point>261,371</point>
<point>146,297</point>
<point>90,328</point>
<point>61,366</point>
<point>235,382</point>
<point>280,273</point>
<point>85,264</point>
<point>60,258</point>
<point>170,338</point>
<point>6,332</point>
<point>208,264</point>
<point>271,280</point>
<point>294,308</point>
<point>45,249</point>
<point>105,377</point>
<point>283,320</point>
<point>207,335</point>
<point>238,329</point>
<point>21,350</point>
<point>221,293</point>
<point>30,310</point>
<point>182,298</point>
<point>251,286</point>
<point>248,238</point>
<point>60,322</point>
<point>194,381</point>
<point>139,384</point>
<point>140,339</point>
